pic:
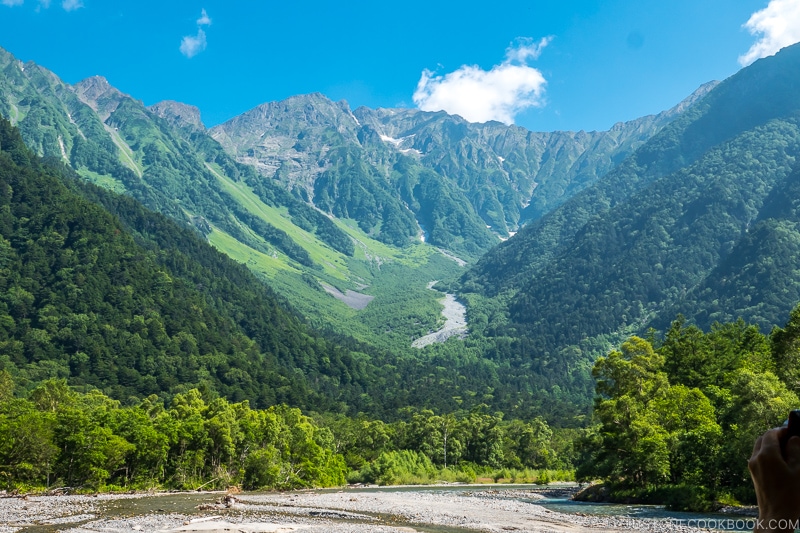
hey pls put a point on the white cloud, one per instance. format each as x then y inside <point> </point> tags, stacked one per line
<point>479,95</point>
<point>526,48</point>
<point>70,5</point>
<point>776,26</point>
<point>193,45</point>
<point>204,19</point>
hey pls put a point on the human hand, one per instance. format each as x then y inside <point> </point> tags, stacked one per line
<point>776,477</point>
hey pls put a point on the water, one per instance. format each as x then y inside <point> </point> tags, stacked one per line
<point>722,522</point>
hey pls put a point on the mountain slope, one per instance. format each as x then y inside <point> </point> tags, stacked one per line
<point>337,201</point>
<point>674,219</point>
<point>534,171</point>
<point>83,298</point>
<point>759,279</point>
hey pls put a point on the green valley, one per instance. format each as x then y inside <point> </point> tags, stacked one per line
<point>624,290</point>
<point>338,206</point>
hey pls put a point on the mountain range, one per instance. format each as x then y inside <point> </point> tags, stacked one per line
<point>561,243</point>
<point>315,198</point>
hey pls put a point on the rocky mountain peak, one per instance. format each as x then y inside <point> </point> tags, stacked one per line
<point>314,109</point>
<point>276,127</point>
<point>5,56</point>
<point>98,94</point>
<point>179,114</point>
<point>94,87</point>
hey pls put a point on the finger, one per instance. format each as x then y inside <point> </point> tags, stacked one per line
<point>757,445</point>
<point>772,439</point>
<point>793,452</point>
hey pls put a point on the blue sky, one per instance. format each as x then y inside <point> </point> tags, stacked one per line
<point>545,65</point>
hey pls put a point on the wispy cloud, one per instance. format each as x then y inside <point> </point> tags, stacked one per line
<point>479,95</point>
<point>526,48</point>
<point>72,5</point>
<point>776,26</point>
<point>68,5</point>
<point>204,19</point>
<point>191,45</point>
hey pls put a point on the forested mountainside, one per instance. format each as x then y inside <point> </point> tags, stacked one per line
<point>141,307</point>
<point>699,220</point>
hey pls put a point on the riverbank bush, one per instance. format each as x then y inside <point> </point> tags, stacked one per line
<point>673,497</point>
<point>407,467</point>
<point>527,475</point>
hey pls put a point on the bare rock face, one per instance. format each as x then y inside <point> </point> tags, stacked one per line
<point>292,136</point>
<point>179,114</point>
<point>98,94</point>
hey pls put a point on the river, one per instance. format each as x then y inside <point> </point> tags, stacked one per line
<point>723,522</point>
<point>437,509</point>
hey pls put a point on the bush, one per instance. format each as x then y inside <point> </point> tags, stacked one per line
<point>402,467</point>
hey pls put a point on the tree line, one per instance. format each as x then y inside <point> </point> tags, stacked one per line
<point>56,437</point>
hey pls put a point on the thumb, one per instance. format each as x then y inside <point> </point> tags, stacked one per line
<point>793,452</point>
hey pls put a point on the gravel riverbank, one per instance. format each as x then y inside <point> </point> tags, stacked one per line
<point>455,325</point>
<point>348,511</point>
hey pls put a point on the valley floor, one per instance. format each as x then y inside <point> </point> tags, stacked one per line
<point>441,510</point>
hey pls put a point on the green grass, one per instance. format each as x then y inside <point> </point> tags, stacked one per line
<point>332,262</point>
<point>259,262</point>
<point>102,180</point>
<point>127,157</point>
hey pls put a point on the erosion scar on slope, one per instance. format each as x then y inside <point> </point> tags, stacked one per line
<point>354,300</point>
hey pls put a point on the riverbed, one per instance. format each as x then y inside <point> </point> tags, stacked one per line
<point>447,509</point>
<point>455,321</point>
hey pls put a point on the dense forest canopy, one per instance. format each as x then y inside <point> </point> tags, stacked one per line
<point>677,417</point>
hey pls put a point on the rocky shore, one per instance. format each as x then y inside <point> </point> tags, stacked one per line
<point>347,511</point>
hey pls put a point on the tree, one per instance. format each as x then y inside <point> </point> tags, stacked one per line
<point>786,350</point>
<point>694,436</point>
<point>528,444</point>
<point>26,443</point>
<point>634,446</point>
<point>757,402</point>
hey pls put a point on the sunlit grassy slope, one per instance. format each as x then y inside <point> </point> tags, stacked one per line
<point>103,180</point>
<point>403,307</point>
